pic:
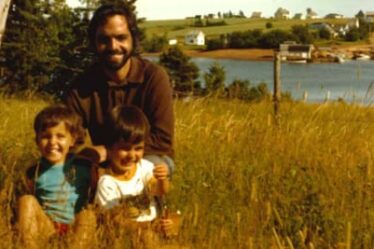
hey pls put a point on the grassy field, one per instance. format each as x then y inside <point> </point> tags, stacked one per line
<point>178,28</point>
<point>243,181</point>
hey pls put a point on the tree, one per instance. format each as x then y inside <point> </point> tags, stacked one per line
<point>360,15</point>
<point>239,89</point>
<point>324,33</point>
<point>183,73</point>
<point>215,78</point>
<point>155,43</point>
<point>269,25</point>
<point>302,34</point>
<point>273,38</point>
<point>31,44</point>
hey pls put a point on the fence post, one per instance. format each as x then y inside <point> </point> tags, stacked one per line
<point>277,83</point>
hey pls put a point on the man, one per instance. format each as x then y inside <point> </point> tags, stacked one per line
<point>121,76</point>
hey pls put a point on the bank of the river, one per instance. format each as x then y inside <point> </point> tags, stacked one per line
<point>236,54</point>
<point>267,54</point>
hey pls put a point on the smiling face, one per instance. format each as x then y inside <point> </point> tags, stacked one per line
<point>55,142</point>
<point>124,158</point>
<point>114,43</point>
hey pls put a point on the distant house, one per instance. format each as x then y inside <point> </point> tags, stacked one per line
<point>369,16</point>
<point>343,29</point>
<point>311,15</point>
<point>334,16</point>
<point>282,14</point>
<point>298,16</point>
<point>291,51</point>
<point>173,42</point>
<point>195,37</point>
<point>323,25</point>
<point>256,14</point>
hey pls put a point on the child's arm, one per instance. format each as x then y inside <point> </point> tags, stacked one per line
<point>159,184</point>
<point>107,195</point>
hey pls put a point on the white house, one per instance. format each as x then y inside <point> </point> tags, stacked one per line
<point>195,37</point>
<point>173,42</point>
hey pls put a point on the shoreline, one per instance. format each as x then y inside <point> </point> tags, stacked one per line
<point>256,54</point>
<point>253,54</point>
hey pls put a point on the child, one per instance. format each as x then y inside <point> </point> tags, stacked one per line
<point>130,183</point>
<point>59,182</point>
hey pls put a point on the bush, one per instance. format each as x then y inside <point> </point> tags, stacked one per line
<point>213,44</point>
<point>155,44</point>
<point>269,25</point>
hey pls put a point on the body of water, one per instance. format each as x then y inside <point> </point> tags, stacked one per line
<point>351,81</point>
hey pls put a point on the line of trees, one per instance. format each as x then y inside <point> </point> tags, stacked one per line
<point>184,76</point>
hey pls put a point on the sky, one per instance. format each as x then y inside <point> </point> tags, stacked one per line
<point>179,9</point>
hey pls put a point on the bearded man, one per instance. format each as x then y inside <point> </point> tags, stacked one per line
<point>121,76</point>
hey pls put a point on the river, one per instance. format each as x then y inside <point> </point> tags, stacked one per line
<point>352,81</point>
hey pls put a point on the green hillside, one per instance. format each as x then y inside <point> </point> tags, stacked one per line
<point>177,28</point>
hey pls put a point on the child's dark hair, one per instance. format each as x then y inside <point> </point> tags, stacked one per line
<point>108,10</point>
<point>54,114</point>
<point>127,123</point>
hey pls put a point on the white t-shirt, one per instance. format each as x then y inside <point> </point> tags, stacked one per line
<point>112,192</point>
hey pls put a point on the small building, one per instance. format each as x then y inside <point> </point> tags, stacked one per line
<point>334,16</point>
<point>290,51</point>
<point>299,16</point>
<point>195,37</point>
<point>173,42</point>
<point>323,25</point>
<point>311,15</point>
<point>256,14</point>
<point>282,14</point>
<point>369,16</point>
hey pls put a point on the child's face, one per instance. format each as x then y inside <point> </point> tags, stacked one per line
<point>124,157</point>
<point>54,143</point>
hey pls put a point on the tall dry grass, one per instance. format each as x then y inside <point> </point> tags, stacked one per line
<point>243,181</point>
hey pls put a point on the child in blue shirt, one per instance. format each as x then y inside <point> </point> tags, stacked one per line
<point>60,183</point>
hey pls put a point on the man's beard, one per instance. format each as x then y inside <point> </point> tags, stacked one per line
<point>111,65</point>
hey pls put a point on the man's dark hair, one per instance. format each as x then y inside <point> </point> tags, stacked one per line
<point>54,114</point>
<point>127,123</point>
<point>108,10</point>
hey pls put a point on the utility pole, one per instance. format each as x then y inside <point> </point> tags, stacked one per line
<point>4,9</point>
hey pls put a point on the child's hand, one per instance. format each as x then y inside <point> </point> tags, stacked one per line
<point>167,227</point>
<point>161,172</point>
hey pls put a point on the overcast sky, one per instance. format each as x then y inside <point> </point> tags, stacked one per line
<point>177,9</point>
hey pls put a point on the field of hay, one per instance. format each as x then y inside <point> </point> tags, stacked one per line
<point>243,180</point>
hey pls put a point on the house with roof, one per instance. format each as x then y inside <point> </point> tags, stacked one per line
<point>344,28</point>
<point>311,14</point>
<point>282,14</point>
<point>322,25</point>
<point>256,14</point>
<point>369,16</point>
<point>195,37</point>
<point>334,16</point>
<point>298,16</point>
<point>291,51</point>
